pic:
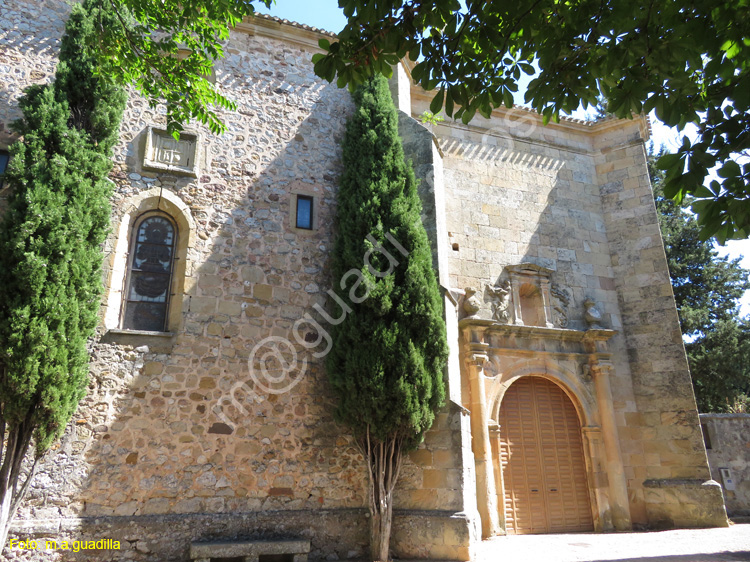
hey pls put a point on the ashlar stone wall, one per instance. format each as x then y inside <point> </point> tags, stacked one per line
<point>575,199</point>
<point>665,452</point>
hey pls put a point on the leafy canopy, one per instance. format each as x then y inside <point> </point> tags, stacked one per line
<point>688,61</point>
<point>707,291</point>
<point>167,50</point>
<point>388,355</point>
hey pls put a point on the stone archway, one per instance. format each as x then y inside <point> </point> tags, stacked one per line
<point>495,356</point>
<point>539,458</point>
<point>169,203</point>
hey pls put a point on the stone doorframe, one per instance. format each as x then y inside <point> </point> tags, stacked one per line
<point>493,356</point>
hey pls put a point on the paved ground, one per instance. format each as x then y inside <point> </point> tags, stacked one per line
<point>704,545</point>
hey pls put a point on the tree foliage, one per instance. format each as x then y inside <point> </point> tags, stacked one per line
<point>167,50</point>
<point>388,355</point>
<point>394,383</point>
<point>688,61</point>
<point>707,291</point>
<point>50,250</point>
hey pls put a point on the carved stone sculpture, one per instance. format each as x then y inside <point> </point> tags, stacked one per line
<point>472,302</point>
<point>560,305</point>
<point>592,315</point>
<point>501,306</point>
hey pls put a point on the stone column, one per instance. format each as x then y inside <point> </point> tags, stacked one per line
<point>480,443</point>
<point>618,491</point>
<point>598,481</point>
<point>546,302</point>
<point>515,284</point>
<point>498,474</point>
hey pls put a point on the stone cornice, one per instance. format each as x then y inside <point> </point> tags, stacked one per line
<point>274,28</point>
<point>563,334</point>
<point>490,338</point>
<point>567,123</point>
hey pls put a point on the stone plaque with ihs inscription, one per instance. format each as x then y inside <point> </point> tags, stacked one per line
<point>164,152</point>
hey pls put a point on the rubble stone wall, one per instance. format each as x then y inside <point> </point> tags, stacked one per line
<point>727,439</point>
<point>177,440</point>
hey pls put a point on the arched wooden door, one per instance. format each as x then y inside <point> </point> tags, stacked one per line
<point>542,462</point>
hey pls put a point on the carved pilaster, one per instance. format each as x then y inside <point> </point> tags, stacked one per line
<point>486,493</point>
<point>515,285</point>
<point>618,492</point>
<point>497,444</point>
<point>546,301</point>
<point>596,466</point>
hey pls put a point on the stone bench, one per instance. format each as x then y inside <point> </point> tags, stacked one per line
<point>249,551</point>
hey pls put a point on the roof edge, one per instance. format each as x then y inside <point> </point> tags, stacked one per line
<point>276,28</point>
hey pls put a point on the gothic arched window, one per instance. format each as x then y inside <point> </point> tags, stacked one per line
<point>150,267</point>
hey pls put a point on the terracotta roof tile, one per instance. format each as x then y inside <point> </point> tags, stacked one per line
<point>295,24</point>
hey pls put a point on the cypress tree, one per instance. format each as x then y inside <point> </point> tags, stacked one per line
<point>51,252</point>
<point>389,351</point>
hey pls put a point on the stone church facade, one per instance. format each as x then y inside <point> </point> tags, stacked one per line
<point>569,399</point>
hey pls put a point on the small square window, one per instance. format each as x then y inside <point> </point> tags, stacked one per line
<point>4,159</point>
<point>304,212</point>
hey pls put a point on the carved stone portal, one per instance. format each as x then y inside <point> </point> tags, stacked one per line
<point>494,355</point>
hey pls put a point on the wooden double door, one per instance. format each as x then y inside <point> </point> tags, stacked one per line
<point>542,460</point>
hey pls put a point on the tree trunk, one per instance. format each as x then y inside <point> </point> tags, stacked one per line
<point>16,441</point>
<point>5,518</point>
<point>384,465</point>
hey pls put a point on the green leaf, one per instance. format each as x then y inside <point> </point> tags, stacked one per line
<point>449,102</point>
<point>729,170</point>
<point>668,161</point>
<point>437,102</point>
<point>508,99</point>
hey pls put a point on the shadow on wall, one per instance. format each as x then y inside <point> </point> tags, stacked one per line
<point>179,442</point>
<point>28,49</point>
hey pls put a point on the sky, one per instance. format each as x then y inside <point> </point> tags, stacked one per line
<point>326,14</point>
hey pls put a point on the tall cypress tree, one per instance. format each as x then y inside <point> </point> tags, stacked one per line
<point>389,352</point>
<point>51,252</point>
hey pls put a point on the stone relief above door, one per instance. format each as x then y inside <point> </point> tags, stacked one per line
<point>527,295</point>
